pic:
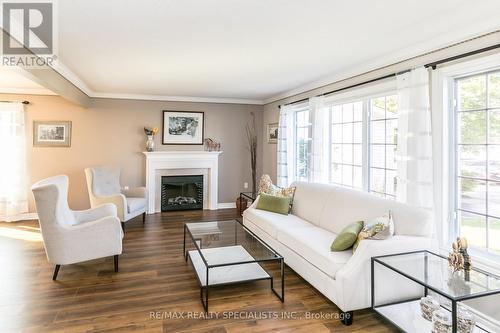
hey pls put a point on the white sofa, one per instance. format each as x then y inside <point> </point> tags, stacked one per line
<point>319,213</point>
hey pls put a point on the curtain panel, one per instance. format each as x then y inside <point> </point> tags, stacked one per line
<point>320,127</point>
<point>13,194</point>
<point>414,152</point>
<point>286,153</point>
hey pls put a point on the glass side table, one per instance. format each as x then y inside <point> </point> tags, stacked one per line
<point>247,195</point>
<point>410,276</point>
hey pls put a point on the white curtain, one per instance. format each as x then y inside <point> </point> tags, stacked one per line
<point>319,116</point>
<point>285,172</point>
<point>318,147</point>
<point>13,194</point>
<point>414,155</point>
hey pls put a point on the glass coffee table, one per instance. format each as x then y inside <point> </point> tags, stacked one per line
<point>225,253</point>
<point>400,280</point>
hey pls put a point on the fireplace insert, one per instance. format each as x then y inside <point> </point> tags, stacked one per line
<point>181,192</point>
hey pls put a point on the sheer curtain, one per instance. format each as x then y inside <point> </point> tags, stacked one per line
<point>285,173</point>
<point>414,154</point>
<point>317,147</point>
<point>13,194</point>
<point>319,116</point>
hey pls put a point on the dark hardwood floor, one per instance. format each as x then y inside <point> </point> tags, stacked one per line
<point>152,291</point>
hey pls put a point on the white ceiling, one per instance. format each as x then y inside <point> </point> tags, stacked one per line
<point>248,49</point>
<point>13,81</point>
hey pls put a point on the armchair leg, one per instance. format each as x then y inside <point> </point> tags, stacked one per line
<point>56,271</point>
<point>116,263</point>
<point>144,218</point>
<point>346,318</point>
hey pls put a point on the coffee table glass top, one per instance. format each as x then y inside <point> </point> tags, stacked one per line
<point>432,270</point>
<point>231,233</point>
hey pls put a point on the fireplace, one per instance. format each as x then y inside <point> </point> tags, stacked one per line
<point>181,192</point>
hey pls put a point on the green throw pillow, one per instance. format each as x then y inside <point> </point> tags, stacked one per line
<point>273,203</point>
<point>347,237</point>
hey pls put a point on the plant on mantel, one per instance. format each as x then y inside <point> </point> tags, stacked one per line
<point>251,133</point>
<point>150,134</point>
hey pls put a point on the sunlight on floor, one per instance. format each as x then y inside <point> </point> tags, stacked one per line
<point>21,234</point>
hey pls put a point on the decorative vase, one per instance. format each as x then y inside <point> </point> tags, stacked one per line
<point>150,143</point>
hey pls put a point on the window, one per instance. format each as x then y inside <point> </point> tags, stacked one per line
<point>356,137</point>
<point>346,144</point>
<point>383,144</point>
<point>349,149</point>
<point>302,144</point>
<point>477,159</point>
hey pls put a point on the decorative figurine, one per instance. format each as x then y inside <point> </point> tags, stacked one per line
<point>459,259</point>
<point>211,145</point>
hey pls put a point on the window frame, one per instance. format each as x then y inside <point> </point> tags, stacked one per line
<point>442,102</point>
<point>385,144</point>
<point>295,143</point>
<point>364,95</point>
<point>362,143</point>
<point>455,175</point>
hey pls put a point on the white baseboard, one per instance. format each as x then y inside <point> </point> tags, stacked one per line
<point>19,217</point>
<point>226,205</point>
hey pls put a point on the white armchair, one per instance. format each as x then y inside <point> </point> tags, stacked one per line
<point>103,184</point>
<point>74,236</point>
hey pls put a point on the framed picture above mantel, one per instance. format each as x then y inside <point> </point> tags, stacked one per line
<point>183,127</point>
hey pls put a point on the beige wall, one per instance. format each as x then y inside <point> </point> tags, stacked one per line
<point>110,132</point>
<point>271,110</point>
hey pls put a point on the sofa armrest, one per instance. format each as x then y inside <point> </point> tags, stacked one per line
<point>96,213</point>
<point>136,192</point>
<point>254,203</point>
<point>252,206</point>
<point>354,279</point>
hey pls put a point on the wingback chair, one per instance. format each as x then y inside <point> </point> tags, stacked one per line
<point>103,184</point>
<point>74,236</point>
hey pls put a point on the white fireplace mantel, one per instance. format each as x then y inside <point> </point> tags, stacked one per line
<point>177,160</point>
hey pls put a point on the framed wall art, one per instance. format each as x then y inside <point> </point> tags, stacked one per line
<point>183,128</point>
<point>272,133</point>
<point>51,133</point>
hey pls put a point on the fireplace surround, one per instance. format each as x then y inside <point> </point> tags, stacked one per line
<point>181,192</point>
<point>177,163</point>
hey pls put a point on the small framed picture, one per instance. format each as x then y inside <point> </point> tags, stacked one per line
<point>51,133</point>
<point>183,128</point>
<point>272,133</point>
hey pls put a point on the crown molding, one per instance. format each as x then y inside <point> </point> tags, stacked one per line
<point>168,98</point>
<point>72,78</point>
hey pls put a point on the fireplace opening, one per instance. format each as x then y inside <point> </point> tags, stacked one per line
<point>181,192</point>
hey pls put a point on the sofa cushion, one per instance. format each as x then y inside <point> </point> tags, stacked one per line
<point>271,203</point>
<point>272,222</point>
<point>313,244</point>
<point>344,206</point>
<point>309,200</point>
<point>134,204</point>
